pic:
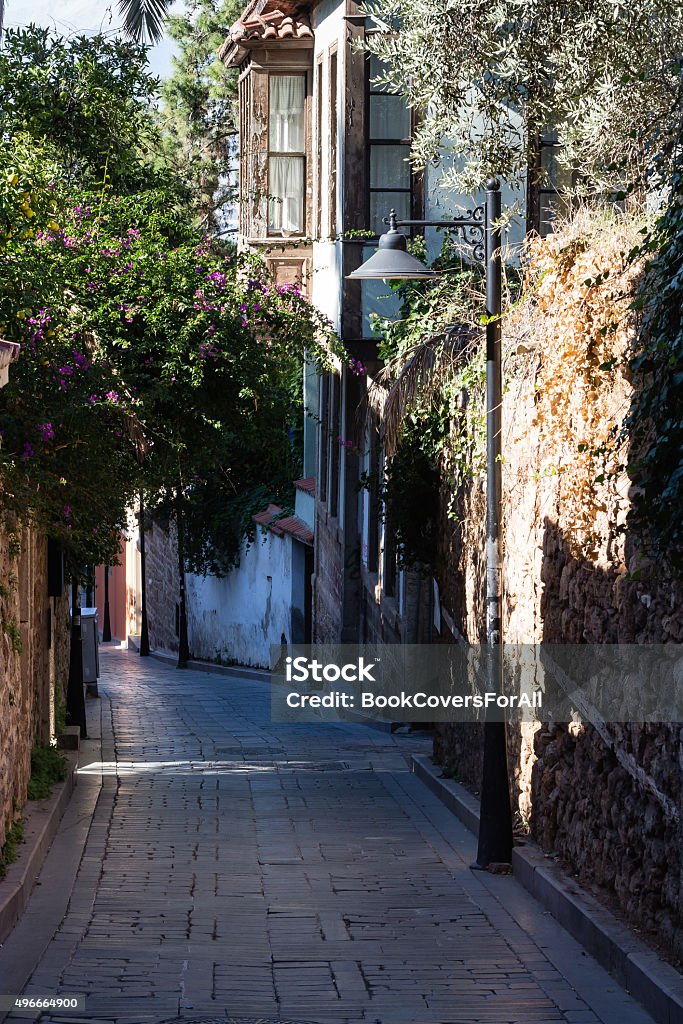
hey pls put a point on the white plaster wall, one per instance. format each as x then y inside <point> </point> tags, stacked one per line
<point>235,619</point>
<point>327,280</point>
<point>304,508</point>
<point>442,203</point>
<point>329,27</point>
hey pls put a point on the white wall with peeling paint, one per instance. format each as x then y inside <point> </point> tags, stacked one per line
<point>234,620</point>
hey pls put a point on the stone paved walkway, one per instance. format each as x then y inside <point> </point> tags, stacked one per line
<point>239,868</point>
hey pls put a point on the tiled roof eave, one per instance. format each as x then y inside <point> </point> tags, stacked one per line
<point>233,54</point>
<point>291,526</point>
<point>295,528</point>
<point>306,484</point>
<point>266,22</point>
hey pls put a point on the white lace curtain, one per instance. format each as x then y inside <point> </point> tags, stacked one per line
<point>286,135</point>
<point>286,114</point>
<point>286,188</point>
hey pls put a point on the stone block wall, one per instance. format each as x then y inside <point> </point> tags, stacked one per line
<point>28,677</point>
<point>161,551</point>
<point>328,579</point>
<point>608,803</point>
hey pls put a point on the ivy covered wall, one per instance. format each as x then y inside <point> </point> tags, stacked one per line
<point>579,568</point>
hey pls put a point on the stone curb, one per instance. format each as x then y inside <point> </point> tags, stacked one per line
<point>237,671</point>
<point>648,978</point>
<point>41,823</point>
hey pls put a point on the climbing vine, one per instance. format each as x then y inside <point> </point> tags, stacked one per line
<point>654,421</point>
<point>8,586</point>
<point>578,315</point>
<point>430,398</point>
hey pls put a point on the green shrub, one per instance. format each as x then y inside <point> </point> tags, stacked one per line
<point>47,767</point>
<point>8,853</point>
<point>60,710</point>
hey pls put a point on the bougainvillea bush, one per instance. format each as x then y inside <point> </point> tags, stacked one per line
<point>151,357</point>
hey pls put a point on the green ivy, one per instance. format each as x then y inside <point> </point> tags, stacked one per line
<point>9,851</point>
<point>441,441</point>
<point>60,709</point>
<point>410,494</point>
<point>654,424</point>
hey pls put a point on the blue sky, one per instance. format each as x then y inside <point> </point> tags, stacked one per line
<point>82,16</point>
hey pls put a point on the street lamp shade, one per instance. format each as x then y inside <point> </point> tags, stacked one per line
<point>392,261</point>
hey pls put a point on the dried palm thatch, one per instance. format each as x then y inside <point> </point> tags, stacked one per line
<point>413,377</point>
<point>137,435</point>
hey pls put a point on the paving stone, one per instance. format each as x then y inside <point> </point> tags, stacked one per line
<point>241,867</point>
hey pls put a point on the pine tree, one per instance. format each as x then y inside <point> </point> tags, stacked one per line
<point>199,109</point>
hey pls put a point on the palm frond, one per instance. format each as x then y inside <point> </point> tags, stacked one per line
<point>143,20</point>
<point>414,376</point>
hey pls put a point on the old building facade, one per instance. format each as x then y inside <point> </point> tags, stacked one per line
<point>323,159</point>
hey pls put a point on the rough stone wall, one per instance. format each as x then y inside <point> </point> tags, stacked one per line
<point>604,806</point>
<point>381,620</point>
<point>28,677</point>
<point>328,579</point>
<point>161,552</point>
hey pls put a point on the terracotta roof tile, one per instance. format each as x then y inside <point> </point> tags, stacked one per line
<point>295,527</point>
<point>290,525</point>
<point>307,484</point>
<point>266,517</point>
<point>256,24</point>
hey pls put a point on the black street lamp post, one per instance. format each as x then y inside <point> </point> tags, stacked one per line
<point>480,230</point>
<point>144,627</point>
<point>106,620</point>
<point>75,695</point>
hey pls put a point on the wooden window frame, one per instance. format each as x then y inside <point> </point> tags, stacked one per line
<point>333,114</point>
<point>323,427</point>
<point>319,146</point>
<point>370,91</point>
<point>304,154</point>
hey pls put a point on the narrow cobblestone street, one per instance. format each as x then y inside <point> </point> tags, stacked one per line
<point>236,868</point>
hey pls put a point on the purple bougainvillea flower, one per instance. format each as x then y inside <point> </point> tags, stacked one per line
<point>46,431</point>
<point>356,367</point>
<point>81,360</point>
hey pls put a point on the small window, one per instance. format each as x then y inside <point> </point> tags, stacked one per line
<point>286,154</point>
<point>334,439</point>
<point>389,135</point>
<point>548,180</point>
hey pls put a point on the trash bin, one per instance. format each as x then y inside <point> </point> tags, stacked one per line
<point>91,658</point>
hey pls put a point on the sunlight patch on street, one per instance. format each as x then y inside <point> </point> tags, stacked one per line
<point>212,767</point>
